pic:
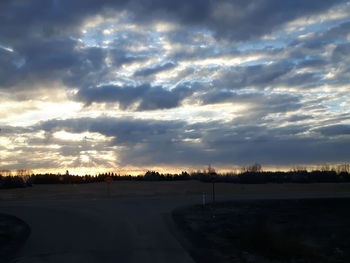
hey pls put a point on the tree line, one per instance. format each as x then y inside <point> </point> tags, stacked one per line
<point>247,175</point>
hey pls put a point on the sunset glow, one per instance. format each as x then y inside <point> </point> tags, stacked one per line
<point>109,86</point>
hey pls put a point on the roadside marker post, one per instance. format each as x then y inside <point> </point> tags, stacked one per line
<point>213,195</point>
<point>108,180</point>
<point>213,182</point>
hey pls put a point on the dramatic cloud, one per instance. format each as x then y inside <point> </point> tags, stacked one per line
<point>272,103</point>
<point>155,69</point>
<point>175,142</point>
<point>126,83</point>
<point>257,76</point>
<point>147,97</point>
<point>335,130</point>
<point>225,16</point>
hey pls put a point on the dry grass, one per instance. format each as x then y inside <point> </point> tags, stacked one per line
<point>266,231</point>
<point>137,188</point>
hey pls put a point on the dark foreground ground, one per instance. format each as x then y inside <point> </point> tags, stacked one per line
<point>298,231</point>
<point>13,234</point>
<point>132,221</point>
<point>166,188</point>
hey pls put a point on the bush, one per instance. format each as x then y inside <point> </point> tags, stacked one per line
<point>7,182</point>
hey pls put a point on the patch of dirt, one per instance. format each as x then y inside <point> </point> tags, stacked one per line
<point>293,231</point>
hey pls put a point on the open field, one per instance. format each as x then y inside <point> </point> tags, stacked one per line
<point>170,188</point>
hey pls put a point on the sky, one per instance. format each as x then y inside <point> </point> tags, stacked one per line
<point>131,85</point>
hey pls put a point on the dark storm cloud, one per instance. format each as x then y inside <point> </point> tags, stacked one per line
<point>8,70</point>
<point>309,80</point>
<point>148,97</point>
<point>335,130</point>
<point>265,103</point>
<point>40,32</point>
<point>241,19</point>
<point>314,62</point>
<point>52,60</point>
<point>257,76</point>
<point>228,143</point>
<point>152,142</point>
<point>295,118</point>
<point>126,131</point>
<point>258,106</point>
<point>237,19</point>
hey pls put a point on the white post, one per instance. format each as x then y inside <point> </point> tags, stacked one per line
<point>203,198</point>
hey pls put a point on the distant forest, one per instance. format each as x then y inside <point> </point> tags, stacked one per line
<point>248,175</point>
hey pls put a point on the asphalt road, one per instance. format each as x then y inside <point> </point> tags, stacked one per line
<point>106,230</point>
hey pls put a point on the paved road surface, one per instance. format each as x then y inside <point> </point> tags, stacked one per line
<point>110,230</point>
<point>105,230</point>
